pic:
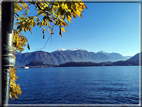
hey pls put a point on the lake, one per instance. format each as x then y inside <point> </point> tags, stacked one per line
<point>79,85</point>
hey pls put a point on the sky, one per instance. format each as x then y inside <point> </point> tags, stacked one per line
<point>108,27</point>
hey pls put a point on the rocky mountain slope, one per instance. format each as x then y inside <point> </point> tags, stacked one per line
<point>62,56</point>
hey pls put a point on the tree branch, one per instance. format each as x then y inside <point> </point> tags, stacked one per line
<point>17,14</point>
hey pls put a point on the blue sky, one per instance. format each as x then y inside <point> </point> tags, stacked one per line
<point>111,27</point>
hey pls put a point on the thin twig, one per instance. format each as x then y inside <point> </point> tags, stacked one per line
<point>47,41</point>
<point>69,33</point>
<point>49,36</point>
<point>17,14</point>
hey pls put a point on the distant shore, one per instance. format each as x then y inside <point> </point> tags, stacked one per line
<point>37,64</point>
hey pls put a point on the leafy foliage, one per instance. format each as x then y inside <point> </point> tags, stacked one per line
<point>19,41</point>
<point>14,88</point>
<point>53,13</point>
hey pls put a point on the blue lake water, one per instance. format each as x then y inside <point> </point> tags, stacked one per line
<point>79,85</point>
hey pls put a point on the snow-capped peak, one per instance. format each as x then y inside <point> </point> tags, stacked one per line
<point>73,49</point>
<point>61,50</point>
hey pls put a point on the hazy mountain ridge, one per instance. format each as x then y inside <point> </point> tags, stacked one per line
<point>62,56</point>
<point>135,57</point>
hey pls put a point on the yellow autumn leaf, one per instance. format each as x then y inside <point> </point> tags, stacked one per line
<point>63,29</point>
<point>74,15</point>
<point>85,6</point>
<point>69,17</point>
<point>43,28</point>
<point>64,24</point>
<point>43,14</point>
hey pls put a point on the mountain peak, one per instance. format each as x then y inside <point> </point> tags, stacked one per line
<point>74,49</point>
<point>102,52</point>
<point>61,50</point>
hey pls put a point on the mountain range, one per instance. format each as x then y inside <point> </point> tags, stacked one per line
<point>62,56</point>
